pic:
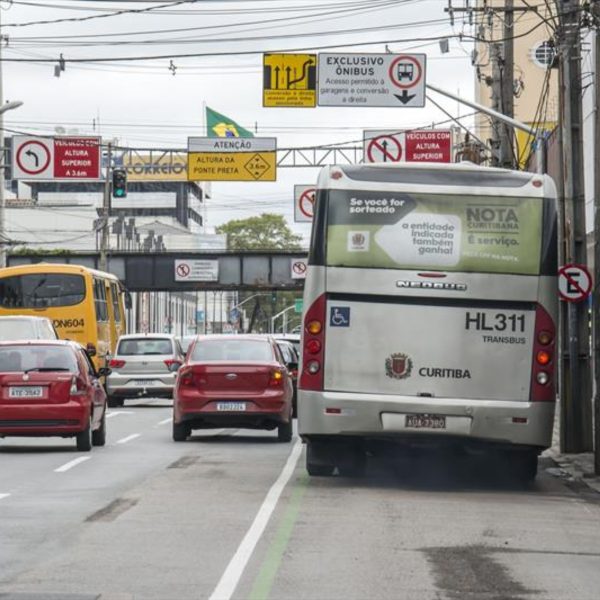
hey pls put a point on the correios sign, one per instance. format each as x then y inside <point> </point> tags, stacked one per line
<point>163,165</point>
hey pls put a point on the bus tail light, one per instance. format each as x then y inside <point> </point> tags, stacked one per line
<point>542,379</point>
<point>115,363</point>
<point>313,351</point>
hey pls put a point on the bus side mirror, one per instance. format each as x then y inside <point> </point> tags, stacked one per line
<point>90,349</point>
<point>128,302</point>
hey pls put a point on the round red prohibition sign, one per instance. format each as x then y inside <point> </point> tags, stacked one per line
<point>385,148</point>
<point>307,202</point>
<point>574,282</point>
<point>407,68</point>
<point>183,270</point>
<point>299,268</point>
<point>39,153</point>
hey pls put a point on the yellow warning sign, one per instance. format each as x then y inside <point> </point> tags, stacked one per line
<point>232,166</point>
<point>290,80</point>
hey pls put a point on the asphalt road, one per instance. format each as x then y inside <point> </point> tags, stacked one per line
<point>232,514</point>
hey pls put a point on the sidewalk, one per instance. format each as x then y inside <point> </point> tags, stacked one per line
<point>571,467</point>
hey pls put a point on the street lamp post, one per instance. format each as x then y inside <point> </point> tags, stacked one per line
<point>3,109</point>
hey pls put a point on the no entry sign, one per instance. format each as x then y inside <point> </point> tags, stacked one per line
<point>574,282</point>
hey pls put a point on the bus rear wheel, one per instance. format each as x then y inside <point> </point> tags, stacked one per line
<point>317,463</point>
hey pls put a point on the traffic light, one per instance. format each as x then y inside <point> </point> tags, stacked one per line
<point>273,297</point>
<point>119,183</point>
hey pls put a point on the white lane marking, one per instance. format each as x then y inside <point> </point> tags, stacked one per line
<point>128,438</point>
<point>71,464</point>
<point>116,413</point>
<point>165,421</point>
<point>4,496</point>
<point>235,569</point>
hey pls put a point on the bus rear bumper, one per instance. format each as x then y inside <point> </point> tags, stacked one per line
<point>367,416</point>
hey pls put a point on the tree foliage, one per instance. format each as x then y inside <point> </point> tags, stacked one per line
<point>265,232</point>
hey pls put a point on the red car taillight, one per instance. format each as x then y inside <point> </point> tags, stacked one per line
<point>186,378</point>
<point>115,363</point>
<point>276,379</point>
<point>78,387</point>
<point>542,372</point>
<point>313,352</point>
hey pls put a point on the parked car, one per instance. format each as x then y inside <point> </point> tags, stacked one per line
<point>22,327</point>
<point>233,381</point>
<point>290,357</point>
<point>51,388</point>
<point>144,365</point>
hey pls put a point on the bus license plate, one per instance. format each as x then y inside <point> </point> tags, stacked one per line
<point>30,391</point>
<point>426,421</point>
<point>231,406</point>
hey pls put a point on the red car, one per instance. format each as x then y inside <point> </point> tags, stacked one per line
<point>233,381</point>
<point>51,388</point>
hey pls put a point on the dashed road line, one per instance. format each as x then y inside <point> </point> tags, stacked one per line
<point>2,496</point>
<point>116,413</point>
<point>235,569</point>
<point>128,438</point>
<point>165,421</point>
<point>71,464</point>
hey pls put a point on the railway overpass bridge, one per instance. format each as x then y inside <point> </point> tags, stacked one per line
<point>191,271</point>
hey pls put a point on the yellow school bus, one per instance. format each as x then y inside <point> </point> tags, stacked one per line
<point>85,305</point>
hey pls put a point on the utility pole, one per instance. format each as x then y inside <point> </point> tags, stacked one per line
<point>507,88</point>
<point>596,278</point>
<point>576,413</point>
<point>105,211</point>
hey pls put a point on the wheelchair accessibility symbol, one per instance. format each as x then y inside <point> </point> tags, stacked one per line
<point>339,316</point>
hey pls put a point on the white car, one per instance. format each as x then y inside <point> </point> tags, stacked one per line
<point>143,365</point>
<point>23,327</point>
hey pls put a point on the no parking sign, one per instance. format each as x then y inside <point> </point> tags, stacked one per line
<point>574,282</point>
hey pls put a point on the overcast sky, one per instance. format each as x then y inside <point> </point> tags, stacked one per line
<point>143,104</point>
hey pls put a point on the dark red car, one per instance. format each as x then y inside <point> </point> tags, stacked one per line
<point>51,388</point>
<point>233,381</point>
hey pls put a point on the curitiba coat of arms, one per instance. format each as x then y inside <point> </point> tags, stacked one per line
<point>398,366</point>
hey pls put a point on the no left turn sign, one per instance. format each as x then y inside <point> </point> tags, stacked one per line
<point>574,282</point>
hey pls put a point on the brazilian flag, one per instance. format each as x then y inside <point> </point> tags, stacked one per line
<point>218,125</point>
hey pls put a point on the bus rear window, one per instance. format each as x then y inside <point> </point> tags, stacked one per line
<point>398,230</point>
<point>41,290</point>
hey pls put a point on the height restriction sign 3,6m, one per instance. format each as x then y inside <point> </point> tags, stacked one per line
<point>371,80</point>
<point>232,159</point>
